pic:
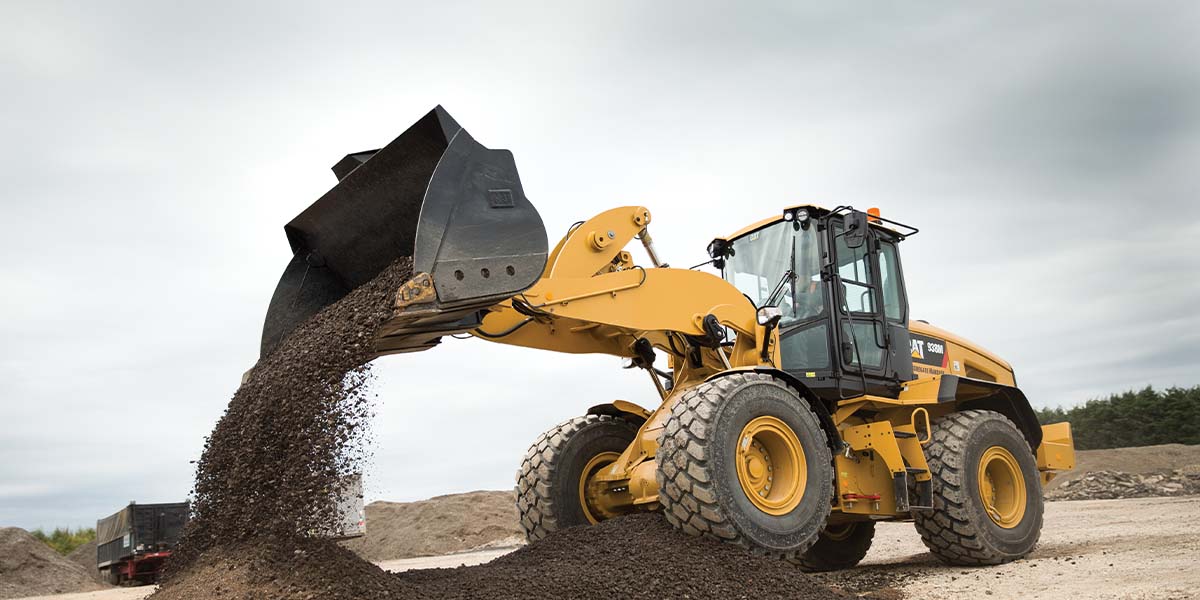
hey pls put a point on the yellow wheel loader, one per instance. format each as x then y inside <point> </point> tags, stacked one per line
<point>792,402</point>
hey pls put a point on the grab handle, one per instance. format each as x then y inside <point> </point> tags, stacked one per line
<point>928,430</point>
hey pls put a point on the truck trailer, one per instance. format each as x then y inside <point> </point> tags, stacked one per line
<point>133,543</point>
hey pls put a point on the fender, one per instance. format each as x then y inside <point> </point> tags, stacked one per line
<point>621,408</point>
<point>986,395</point>
<point>834,437</point>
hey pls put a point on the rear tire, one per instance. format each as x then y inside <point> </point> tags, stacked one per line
<point>976,450</point>
<point>548,483</point>
<point>703,463</point>
<point>839,547</point>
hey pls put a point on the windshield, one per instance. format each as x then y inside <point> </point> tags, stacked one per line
<point>760,259</point>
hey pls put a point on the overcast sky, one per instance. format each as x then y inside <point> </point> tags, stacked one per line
<point>151,155</point>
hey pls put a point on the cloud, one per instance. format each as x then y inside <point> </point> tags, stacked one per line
<point>1046,151</point>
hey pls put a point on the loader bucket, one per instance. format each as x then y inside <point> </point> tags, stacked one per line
<point>433,194</point>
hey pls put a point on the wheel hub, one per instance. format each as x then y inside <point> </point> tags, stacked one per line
<point>1001,487</point>
<point>770,465</point>
<point>592,497</point>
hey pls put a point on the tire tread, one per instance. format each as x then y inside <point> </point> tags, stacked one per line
<point>948,531</point>
<point>851,551</point>
<point>686,491</point>
<point>536,505</point>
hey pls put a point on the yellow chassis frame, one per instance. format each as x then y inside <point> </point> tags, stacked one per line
<point>592,298</point>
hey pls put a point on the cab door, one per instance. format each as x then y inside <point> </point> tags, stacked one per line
<point>871,332</point>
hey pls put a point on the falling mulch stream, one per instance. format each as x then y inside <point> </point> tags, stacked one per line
<point>268,474</point>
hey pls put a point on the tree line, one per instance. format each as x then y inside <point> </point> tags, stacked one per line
<point>1135,418</point>
<point>65,539</point>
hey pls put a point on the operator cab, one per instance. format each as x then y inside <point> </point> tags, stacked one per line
<point>835,277</point>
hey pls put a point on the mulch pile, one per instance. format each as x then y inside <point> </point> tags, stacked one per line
<point>295,428</point>
<point>1113,485</point>
<point>28,567</point>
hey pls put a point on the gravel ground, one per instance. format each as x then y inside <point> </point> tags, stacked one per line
<point>1090,549</point>
<point>1093,549</point>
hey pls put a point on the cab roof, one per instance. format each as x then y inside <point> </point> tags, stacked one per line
<point>813,209</point>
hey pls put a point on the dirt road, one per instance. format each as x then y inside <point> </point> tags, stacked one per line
<point>1135,549</point>
<point>1127,549</point>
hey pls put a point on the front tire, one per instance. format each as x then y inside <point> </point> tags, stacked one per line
<point>987,496</point>
<point>744,459</point>
<point>840,546</point>
<point>550,482</point>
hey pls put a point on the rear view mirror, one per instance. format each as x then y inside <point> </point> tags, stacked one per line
<point>769,315</point>
<point>856,229</point>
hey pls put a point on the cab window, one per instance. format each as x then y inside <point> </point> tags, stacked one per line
<point>889,271</point>
<point>855,271</point>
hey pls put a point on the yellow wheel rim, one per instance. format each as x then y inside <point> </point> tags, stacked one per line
<point>1001,487</point>
<point>589,502</point>
<point>770,465</point>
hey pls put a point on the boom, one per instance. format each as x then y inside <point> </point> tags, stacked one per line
<point>592,298</point>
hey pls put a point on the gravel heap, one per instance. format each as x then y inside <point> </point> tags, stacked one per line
<point>28,567</point>
<point>639,556</point>
<point>1111,485</point>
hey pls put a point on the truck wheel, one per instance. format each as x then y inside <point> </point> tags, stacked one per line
<point>840,546</point>
<point>551,492</point>
<point>743,458</point>
<point>987,497</point>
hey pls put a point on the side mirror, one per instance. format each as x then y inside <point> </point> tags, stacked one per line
<point>856,229</point>
<point>769,316</point>
<point>848,353</point>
